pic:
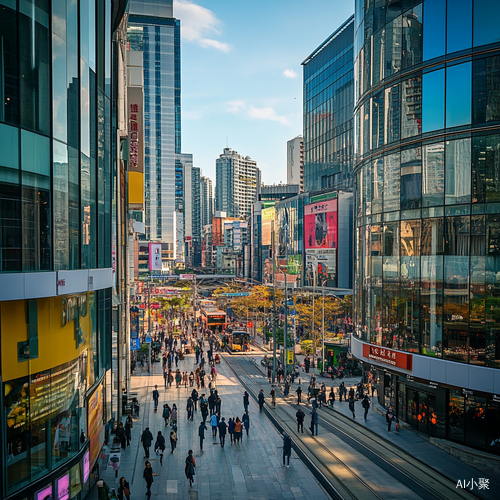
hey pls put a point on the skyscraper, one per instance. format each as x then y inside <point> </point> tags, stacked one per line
<point>237,178</point>
<point>196,216</point>
<point>295,162</point>
<point>206,201</point>
<point>328,112</point>
<point>155,33</point>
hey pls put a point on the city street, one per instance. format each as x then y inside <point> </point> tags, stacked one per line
<point>250,470</point>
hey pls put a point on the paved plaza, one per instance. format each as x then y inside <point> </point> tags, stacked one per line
<point>250,470</point>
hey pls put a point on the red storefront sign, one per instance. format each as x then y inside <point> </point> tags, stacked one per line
<point>388,356</point>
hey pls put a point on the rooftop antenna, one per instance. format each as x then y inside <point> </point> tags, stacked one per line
<point>226,142</point>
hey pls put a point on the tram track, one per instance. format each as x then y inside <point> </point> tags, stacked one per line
<point>331,468</point>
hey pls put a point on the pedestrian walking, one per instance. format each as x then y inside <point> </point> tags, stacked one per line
<point>389,417</point>
<point>191,379</point>
<point>173,416</point>
<point>222,432</point>
<point>120,434</point>
<point>331,398</point>
<point>237,430</point>
<point>300,416</point>
<point>314,422</point>
<point>185,379</point>
<point>123,489</point>
<point>366,404</point>
<point>146,440</point>
<point>102,490</point>
<point>148,476</point>
<point>190,408</point>
<point>204,409</point>
<point>214,422</point>
<point>189,467</point>
<point>287,450</point>
<point>230,429</point>
<point>160,446</point>
<point>194,397</point>
<point>261,400</point>
<point>299,395</point>
<point>166,413</point>
<point>156,397</point>
<point>246,421</point>
<point>173,441</point>
<point>218,403</point>
<point>201,433</point>
<point>351,407</point>
<point>246,400</point>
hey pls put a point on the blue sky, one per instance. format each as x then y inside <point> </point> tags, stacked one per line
<point>242,75</point>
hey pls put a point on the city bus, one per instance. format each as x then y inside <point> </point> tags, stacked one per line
<point>213,318</point>
<point>238,340</point>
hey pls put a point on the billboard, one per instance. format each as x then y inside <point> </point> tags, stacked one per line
<point>268,216</point>
<point>320,241</point>
<point>217,232</point>
<point>155,257</point>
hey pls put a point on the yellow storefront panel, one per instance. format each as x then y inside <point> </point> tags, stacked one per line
<point>136,188</point>
<point>56,341</point>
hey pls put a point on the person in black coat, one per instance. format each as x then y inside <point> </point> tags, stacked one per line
<point>261,400</point>
<point>314,422</point>
<point>160,446</point>
<point>128,431</point>
<point>120,434</point>
<point>300,415</point>
<point>146,440</point>
<point>246,401</point>
<point>148,477</point>
<point>201,433</point>
<point>194,397</point>
<point>351,406</point>
<point>124,489</point>
<point>222,431</point>
<point>287,449</point>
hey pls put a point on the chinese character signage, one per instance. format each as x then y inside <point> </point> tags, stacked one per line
<point>388,356</point>
<point>135,127</point>
<point>320,242</point>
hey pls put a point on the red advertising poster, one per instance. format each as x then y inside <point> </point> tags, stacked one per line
<point>217,235</point>
<point>320,242</point>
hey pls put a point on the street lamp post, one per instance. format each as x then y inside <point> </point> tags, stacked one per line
<point>274,304</point>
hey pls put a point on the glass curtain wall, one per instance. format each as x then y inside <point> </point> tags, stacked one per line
<point>427,163</point>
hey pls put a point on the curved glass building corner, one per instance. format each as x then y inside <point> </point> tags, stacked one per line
<point>427,179</point>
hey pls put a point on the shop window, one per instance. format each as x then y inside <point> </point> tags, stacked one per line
<point>475,422</point>
<point>16,414</point>
<point>456,417</point>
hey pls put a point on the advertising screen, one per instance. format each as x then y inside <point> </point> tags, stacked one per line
<point>268,216</point>
<point>155,257</point>
<point>86,466</point>
<point>320,241</point>
<point>44,493</point>
<point>96,425</point>
<point>63,487</point>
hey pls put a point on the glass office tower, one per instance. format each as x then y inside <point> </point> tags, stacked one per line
<point>56,269</point>
<point>427,180</point>
<point>328,112</point>
<point>154,32</point>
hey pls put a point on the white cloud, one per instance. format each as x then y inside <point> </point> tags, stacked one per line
<point>267,114</point>
<point>235,106</point>
<point>197,22</point>
<point>290,73</point>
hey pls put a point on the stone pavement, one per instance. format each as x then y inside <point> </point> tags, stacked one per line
<point>250,470</point>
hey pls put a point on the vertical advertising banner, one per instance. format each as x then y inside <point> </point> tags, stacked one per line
<point>218,233</point>
<point>268,215</point>
<point>155,257</point>
<point>320,241</point>
<point>95,430</point>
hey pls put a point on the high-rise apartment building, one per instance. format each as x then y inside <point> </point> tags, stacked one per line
<point>328,112</point>
<point>206,201</point>
<point>155,34</point>
<point>58,234</point>
<point>237,178</point>
<point>196,216</point>
<point>427,219</point>
<point>295,162</point>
